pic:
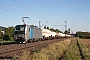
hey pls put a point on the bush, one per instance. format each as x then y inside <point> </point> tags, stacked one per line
<point>6,37</point>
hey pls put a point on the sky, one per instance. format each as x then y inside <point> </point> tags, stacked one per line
<point>51,13</point>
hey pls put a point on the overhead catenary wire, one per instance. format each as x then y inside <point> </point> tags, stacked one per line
<point>27,8</point>
<point>14,13</point>
<point>44,23</point>
<point>60,23</point>
<point>30,10</point>
<point>10,11</point>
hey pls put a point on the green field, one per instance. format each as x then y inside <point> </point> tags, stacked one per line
<point>6,42</point>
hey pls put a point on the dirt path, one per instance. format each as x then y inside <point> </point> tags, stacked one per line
<point>80,50</point>
<point>63,55</point>
<point>73,52</point>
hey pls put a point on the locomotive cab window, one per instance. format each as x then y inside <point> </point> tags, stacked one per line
<point>17,28</point>
<point>22,29</point>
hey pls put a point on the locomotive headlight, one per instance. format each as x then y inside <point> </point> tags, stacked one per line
<point>13,35</point>
<point>16,38</point>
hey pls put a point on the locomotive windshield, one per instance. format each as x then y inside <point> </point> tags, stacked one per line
<point>19,29</point>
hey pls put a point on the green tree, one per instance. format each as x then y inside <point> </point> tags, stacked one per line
<point>77,34</point>
<point>9,32</point>
<point>80,34</point>
<point>47,27</point>
<point>6,37</point>
<point>44,27</point>
<point>66,32</point>
<point>1,34</point>
<point>56,30</point>
<point>51,29</point>
<point>69,30</point>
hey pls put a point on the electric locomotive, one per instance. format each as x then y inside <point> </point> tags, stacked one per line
<point>26,33</point>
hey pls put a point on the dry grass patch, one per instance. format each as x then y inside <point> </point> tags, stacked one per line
<point>25,55</point>
<point>51,52</point>
<point>73,52</point>
<point>85,46</point>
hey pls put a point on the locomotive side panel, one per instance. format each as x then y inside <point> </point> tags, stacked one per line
<point>35,34</point>
<point>31,33</point>
<point>27,35</point>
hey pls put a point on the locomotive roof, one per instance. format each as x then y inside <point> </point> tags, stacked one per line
<point>30,26</point>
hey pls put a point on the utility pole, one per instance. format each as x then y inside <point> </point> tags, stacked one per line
<point>71,31</point>
<point>65,27</point>
<point>39,24</point>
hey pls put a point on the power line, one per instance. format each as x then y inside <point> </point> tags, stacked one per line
<point>44,23</point>
<point>60,23</point>
<point>10,11</point>
<point>27,8</point>
<point>14,13</point>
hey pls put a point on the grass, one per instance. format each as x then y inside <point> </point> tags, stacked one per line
<point>73,52</point>
<point>51,52</point>
<point>85,46</point>
<point>54,51</point>
<point>6,42</point>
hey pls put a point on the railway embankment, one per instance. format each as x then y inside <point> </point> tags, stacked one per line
<point>51,52</point>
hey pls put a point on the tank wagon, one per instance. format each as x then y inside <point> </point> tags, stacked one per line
<point>26,33</point>
<point>47,34</point>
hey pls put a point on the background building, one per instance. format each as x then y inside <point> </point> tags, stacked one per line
<point>2,29</point>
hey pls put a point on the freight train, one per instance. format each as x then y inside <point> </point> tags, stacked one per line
<point>26,33</point>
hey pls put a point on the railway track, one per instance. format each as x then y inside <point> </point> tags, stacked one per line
<point>7,51</point>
